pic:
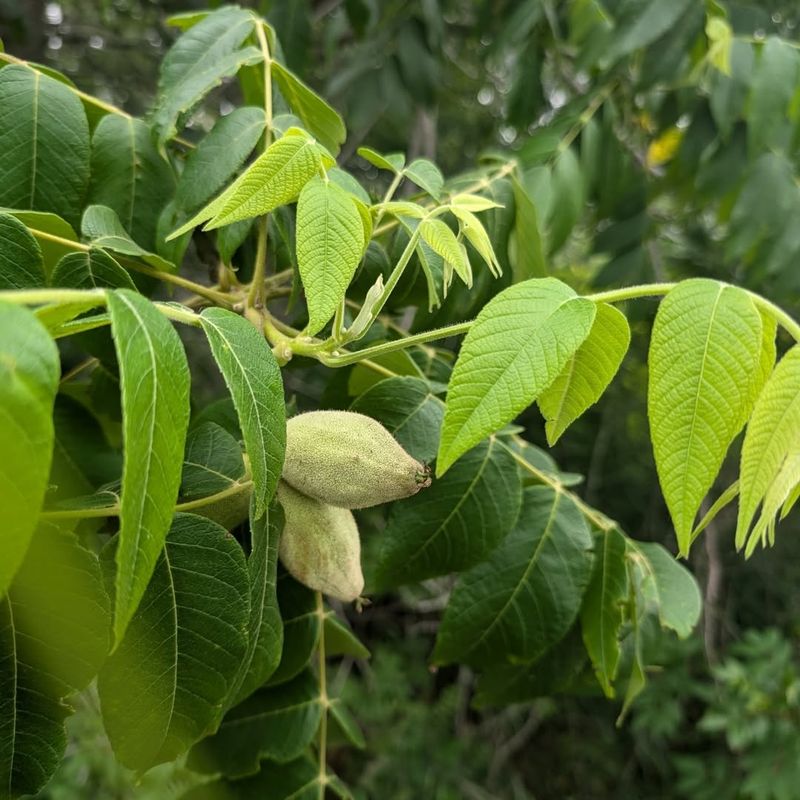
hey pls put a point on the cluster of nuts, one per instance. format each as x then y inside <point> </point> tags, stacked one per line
<point>337,461</point>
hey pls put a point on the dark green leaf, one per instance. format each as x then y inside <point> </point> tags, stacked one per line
<point>220,153</point>
<point>39,222</point>
<point>130,176</point>
<point>44,144</point>
<point>298,607</point>
<point>406,407</point>
<point>165,684</point>
<point>265,640</point>
<point>340,639</point>
<point>21,264</point>
<point>456,522</point>
<point>90,269</point>
<point>529,261</point>
<point>155,405</point>
<point>525,597</point>
<point>277,723</point>
<point>212,461</point>
<point>202,57</point>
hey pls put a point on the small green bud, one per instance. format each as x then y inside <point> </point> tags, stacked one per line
<point>320,545</point>
<point>349,460</point>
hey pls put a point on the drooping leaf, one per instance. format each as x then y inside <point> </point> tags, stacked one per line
<point>772,433</point>
<point>273,179</point>
<point>443,242</point>
<point>199,60</point>
<point>529,261</point>
<point>54,635</point>
<point>322,121</point>
<point>212,461</point>
<point>21,265</point>
<point>265,627</point>
<point>90,269</point>
<point>518,345</point>
<point>217,157</point>
<point>29,373</point>
<point>671,587</point>
<point>645,26</point>
<point>330,242</point>
<point>101,226</point>
<point>254,381</point>
<point>408,409</point>
<point>427,176</point>
<point>587,374</point>
<point>165,684</point>
<point>343,719</point>
<point>130,176</point>
<point>275,722</point>
<point>568,199</point>
<point>154,377</point>
<point>456,522</point>
<point>704,359</point>
<point>44,144</point>
<point>602,612</point>
<point>476,235</point>
<point>393,162</point>
<point>525,597</point>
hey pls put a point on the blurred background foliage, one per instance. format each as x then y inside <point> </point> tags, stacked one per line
<point>658,140</point>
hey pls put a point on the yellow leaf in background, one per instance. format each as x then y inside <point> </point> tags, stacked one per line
<point>662,149</point>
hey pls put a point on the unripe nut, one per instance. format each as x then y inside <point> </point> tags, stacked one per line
<point>320,546</point>
<point>349,460</point>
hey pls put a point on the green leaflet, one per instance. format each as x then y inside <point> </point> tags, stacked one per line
<point>518,345</point>
<point>54,635</point>
<point>330,242</point>
<point>102,227</point>
<point>321,120</point>
<point>779,499</point>
<point>39,222</point>
<point>44,144</point>
<point>443,242</point>
<point>400,362</point>
<point>406,407</point>
<point>568,200</point>
<point>602,611</point>
<point>130,176</point>
<point>277,723</point>
<point>165,684</point>
<point>427,176</point>
<point>265,627</point>
<point>201,58</point>
<point>273,179</point>
<point>525,597</point>
<point>254,381</point>
<point>155,408</point>
<point>645,27</point>
<point>587,374</point>
<point>29,373</point>
<point>90,269</point>
<point>212,461</point>
<point>670,586</point>
<point>704,361</point>
<point>772,434</point>
<point>21,264</point>
<point>476,235</point>
<point>340,639</point>
<point>220,153</point>
<point>456,522</point>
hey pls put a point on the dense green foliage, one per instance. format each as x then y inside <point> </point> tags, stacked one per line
<point>641,141</point>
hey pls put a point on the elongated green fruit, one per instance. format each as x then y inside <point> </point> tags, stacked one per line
<point>320,545</point>
<point>349,460</point>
